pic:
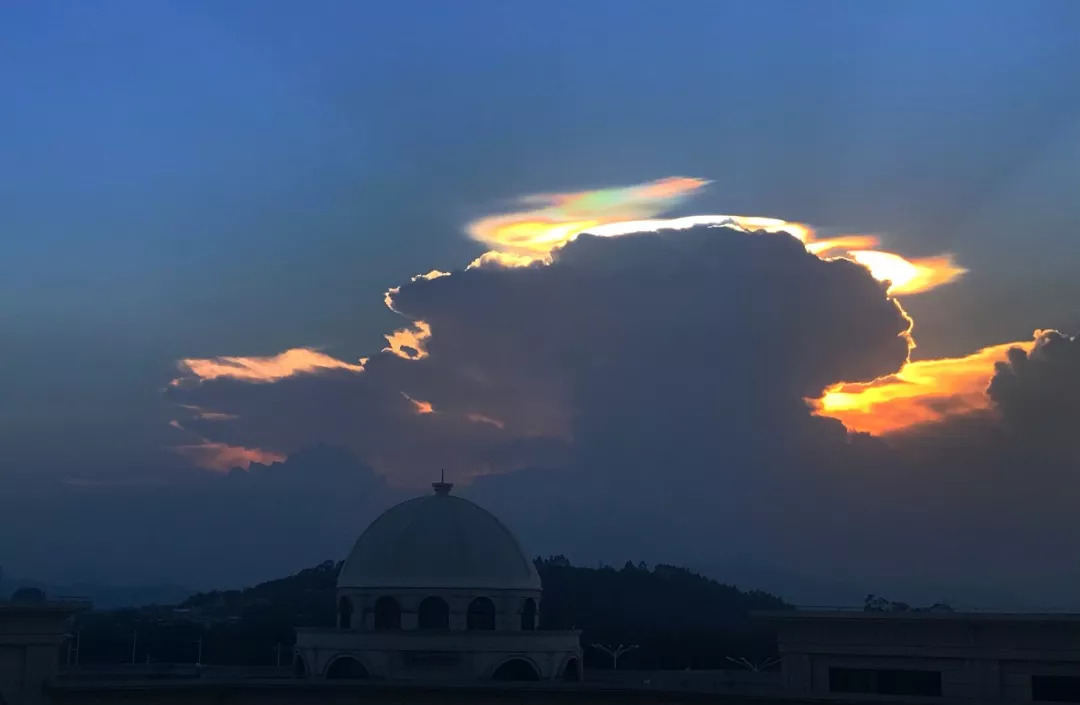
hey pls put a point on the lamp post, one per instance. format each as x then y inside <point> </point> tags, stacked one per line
<point>615,652</point>
<point>755,667</point>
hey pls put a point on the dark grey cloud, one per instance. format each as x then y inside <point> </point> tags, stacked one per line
<point>642,343</point>
<point>1039,392</point>
<point>645,394</point>
<point>656,378</point>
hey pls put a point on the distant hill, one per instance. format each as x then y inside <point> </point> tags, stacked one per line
<point>103,597</point>
<point>678,618</point>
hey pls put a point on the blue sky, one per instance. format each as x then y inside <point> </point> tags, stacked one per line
<point>233,177</point>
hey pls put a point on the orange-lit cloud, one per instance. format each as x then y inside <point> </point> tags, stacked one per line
<point>261,369</point>
<point>923,391</point>
<point>409,342</point>
<point>908,276</point>
<point>419,406</point>
<point>222,457</point>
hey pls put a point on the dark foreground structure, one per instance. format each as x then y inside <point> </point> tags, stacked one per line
<point>930,656</point>
<point>827,657</point>
<point>438,603</point>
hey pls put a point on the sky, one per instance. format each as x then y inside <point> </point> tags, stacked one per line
<point>339,247</point>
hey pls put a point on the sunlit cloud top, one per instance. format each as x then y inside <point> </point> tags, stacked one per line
<point>520,238</point>
<point>550,220</point>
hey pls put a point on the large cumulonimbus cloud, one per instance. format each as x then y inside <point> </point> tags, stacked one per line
<point>651,390</point>
<point>659,337</point>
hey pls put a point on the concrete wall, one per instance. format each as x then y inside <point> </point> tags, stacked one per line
<point>30,639</point>
<point>981,658</point>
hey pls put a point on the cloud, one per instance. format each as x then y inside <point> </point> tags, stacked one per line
<point>260,369</point>
<point>667,382</point>
<point>223,457</point>
<point>655,330</point>
<point>923,391</point>
<point>524,237</point>
<point>553,219</point>
<point>1037,388</point>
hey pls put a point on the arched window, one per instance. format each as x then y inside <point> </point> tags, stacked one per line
<point>434,613</point>
<point>387,614</point>
<point>481,614</point>
<point>528,615</point>
<point>571,671</point>
<point>346,667</point>
<point>345,610</point>
<point>516,669</point>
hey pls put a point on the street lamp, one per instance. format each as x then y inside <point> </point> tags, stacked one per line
<point>614,652</point>
<point>755,667</point>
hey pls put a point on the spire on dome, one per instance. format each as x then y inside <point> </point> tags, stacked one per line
<point>442,487</point>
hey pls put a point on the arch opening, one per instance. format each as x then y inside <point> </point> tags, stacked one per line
<point>346,667</point>
<point>481,615</point>
<point>528,615</point>
<point>387,614</point>
<point>345,613</point>
<point>516,669</point>
<point>433,614</point>
<point>299,667</point>
<point>571,671</point>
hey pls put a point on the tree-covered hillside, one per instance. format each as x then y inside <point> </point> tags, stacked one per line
<point>678,619</point>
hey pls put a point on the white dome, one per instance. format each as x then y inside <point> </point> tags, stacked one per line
<point>438,541</point>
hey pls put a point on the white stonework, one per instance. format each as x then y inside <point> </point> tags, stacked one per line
<point>437,588</point>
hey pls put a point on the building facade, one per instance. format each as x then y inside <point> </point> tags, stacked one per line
<point>930,656</point>
<point>437,588</point>
<point>30,639</point>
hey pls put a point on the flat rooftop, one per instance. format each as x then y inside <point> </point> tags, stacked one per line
<point>854,614</point>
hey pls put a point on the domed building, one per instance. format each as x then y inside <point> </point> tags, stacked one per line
<point>437,588</point>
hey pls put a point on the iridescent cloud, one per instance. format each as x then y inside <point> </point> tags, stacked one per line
<point>527,236</point>
<point>550,220</point>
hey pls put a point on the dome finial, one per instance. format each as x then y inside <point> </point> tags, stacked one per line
<point>442,487</point>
